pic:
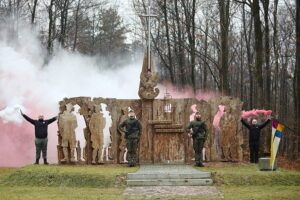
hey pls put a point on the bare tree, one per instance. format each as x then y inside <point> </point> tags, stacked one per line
<point>297,68</point>
<point>224,53</point>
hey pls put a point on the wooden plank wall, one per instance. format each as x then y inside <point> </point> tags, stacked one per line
<point>161,145</point>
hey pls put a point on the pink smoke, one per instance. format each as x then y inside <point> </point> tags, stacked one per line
<point>255,113</point>
<point>185,92</point>
<point>17,140</point>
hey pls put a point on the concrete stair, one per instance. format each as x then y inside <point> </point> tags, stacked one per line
<point>169,177</point>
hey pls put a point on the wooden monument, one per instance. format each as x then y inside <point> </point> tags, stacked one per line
<point>163,122</point>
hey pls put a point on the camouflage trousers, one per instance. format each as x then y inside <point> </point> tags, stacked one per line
<point>198,146</point>
<point>132,145</point>
<point>41,146</point>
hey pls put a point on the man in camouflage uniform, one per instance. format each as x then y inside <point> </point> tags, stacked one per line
<point>199,134</point>
<point>132,135</point>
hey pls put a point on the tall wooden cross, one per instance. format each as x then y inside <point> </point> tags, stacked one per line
<point>149,15</point>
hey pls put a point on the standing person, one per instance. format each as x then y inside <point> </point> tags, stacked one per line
<point>132,131</point>
<point>41,135</point>
<point>199,134</point>
<point>254,134</point>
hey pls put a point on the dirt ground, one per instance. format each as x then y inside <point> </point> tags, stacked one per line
<point>289,164</point>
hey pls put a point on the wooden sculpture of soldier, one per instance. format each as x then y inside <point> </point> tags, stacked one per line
<point>199,134</point>
<point>96,125</point>
<point>67,124</point>
<point>123,143</point>
<point>132,131</point>
<point>228,137</point>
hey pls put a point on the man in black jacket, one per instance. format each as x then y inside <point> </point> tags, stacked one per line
<point>41,135</point>
<point>254,134</point>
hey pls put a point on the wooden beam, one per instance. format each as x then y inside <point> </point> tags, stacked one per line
<point>169,130</point>
<point>159,122</point>
<point>168,126</point>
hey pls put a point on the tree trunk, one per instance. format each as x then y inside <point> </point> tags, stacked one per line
<point>224,27</point>
<point>190,28</point>
<point>76,26</point>
<point>276,55</point>
<point>180,41</point>
<point>33,11</point>
<point>63,22</point>
<point>267,54</point>
<point>50,27</point>
<point>247,35</point>
<point>168,42</point>
<point>205,84</point>
<point>297,68</point>
<point>241,69</point>
<point>255,10</point>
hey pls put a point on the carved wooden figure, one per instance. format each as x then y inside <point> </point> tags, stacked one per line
<point>67,125</point>
<point>123,143</point>
<point>96,126</point>
<point>78,151</point>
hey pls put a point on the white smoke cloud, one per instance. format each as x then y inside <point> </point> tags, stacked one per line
<point>27,83</point>
<point>12,114</point>
<point>25,79</point>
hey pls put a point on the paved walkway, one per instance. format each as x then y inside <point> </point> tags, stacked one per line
<point>167,169</point>
<point>172,191</point>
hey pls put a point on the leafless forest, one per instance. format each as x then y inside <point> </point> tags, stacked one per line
<point>243,48</point>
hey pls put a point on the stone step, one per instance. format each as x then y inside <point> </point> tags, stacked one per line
<point>170,182</point>
<point>145,176</point>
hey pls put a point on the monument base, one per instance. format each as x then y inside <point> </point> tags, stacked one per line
<point>264,164</point>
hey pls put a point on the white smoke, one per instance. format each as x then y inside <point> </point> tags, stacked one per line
<point>25,80</point>
<point>12,114</point>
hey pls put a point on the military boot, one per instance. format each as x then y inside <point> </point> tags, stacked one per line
<point>36,162</point>
<point>130,165</point>
<point>200,164</point>
<point>45,162</point>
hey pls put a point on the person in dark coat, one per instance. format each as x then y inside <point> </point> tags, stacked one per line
<point>41,135</point>
<point>199,134</point>
<point>133,131</point>
<point>254,135</point>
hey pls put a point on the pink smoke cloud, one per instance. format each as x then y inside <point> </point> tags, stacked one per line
<point>255,113</point>
<point>185,92</point>
<point>17,141</point>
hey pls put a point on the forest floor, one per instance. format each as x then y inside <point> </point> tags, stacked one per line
<point>233,180</point>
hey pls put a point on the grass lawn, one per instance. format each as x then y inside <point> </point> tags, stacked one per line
<point>108,183</point>
<point>247,182</point>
